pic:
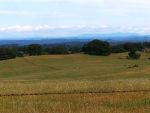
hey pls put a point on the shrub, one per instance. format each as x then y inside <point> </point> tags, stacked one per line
<point>134,55</point>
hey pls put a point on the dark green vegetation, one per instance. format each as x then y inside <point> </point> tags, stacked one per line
<point>120,48</point>
<point>34,49</point>
<point>57,50</point>
<point>7,53</point>
<point>134,55</point>
<point>95,47</point>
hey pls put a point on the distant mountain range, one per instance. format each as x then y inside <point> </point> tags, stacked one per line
<point>121,37</point>
<point>112,38</point>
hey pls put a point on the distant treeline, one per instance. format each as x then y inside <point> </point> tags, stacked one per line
<point>137,46</point>
<point>95,47</point>
<point>13,51</point>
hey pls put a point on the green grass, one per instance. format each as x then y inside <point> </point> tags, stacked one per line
<point>74,67</point>
<point>75,73</point>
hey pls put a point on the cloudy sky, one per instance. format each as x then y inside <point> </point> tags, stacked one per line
<point>101,16</point>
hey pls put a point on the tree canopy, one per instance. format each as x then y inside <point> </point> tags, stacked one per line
<point>34,49</point>
<point>97,47</point>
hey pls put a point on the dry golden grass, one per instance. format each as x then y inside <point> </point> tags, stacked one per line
<point>58,86</point>
<point>78,103</point>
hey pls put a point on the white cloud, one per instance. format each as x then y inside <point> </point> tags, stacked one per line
<point>4,1</point>
<point>25,28</point>
<point>135,3</point>
<point>32,28</point>
<point>118,3</point>
<point>63,13</point>
<point>39,28</point>
<point>142,30</point>
<point>14,12</point>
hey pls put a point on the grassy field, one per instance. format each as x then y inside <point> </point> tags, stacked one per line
<point>75,73</point>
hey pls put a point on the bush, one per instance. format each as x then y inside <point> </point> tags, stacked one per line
<point>134,55</point>
<point>97,47</point>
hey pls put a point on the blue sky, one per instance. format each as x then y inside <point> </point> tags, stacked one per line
<point>71,17</point>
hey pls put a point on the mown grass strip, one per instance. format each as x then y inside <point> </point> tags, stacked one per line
<point>65,93</point>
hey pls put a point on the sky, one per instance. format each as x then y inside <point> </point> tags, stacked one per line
<point>73,17</point>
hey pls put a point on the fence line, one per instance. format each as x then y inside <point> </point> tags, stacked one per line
<point>65,93</point>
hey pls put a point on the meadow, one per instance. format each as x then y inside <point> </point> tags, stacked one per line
<point>73,74</point>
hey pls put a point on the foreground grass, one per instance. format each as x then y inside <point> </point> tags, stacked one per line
<point>75,73</point>
<point>73,86</point>
<point>89,103</point>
